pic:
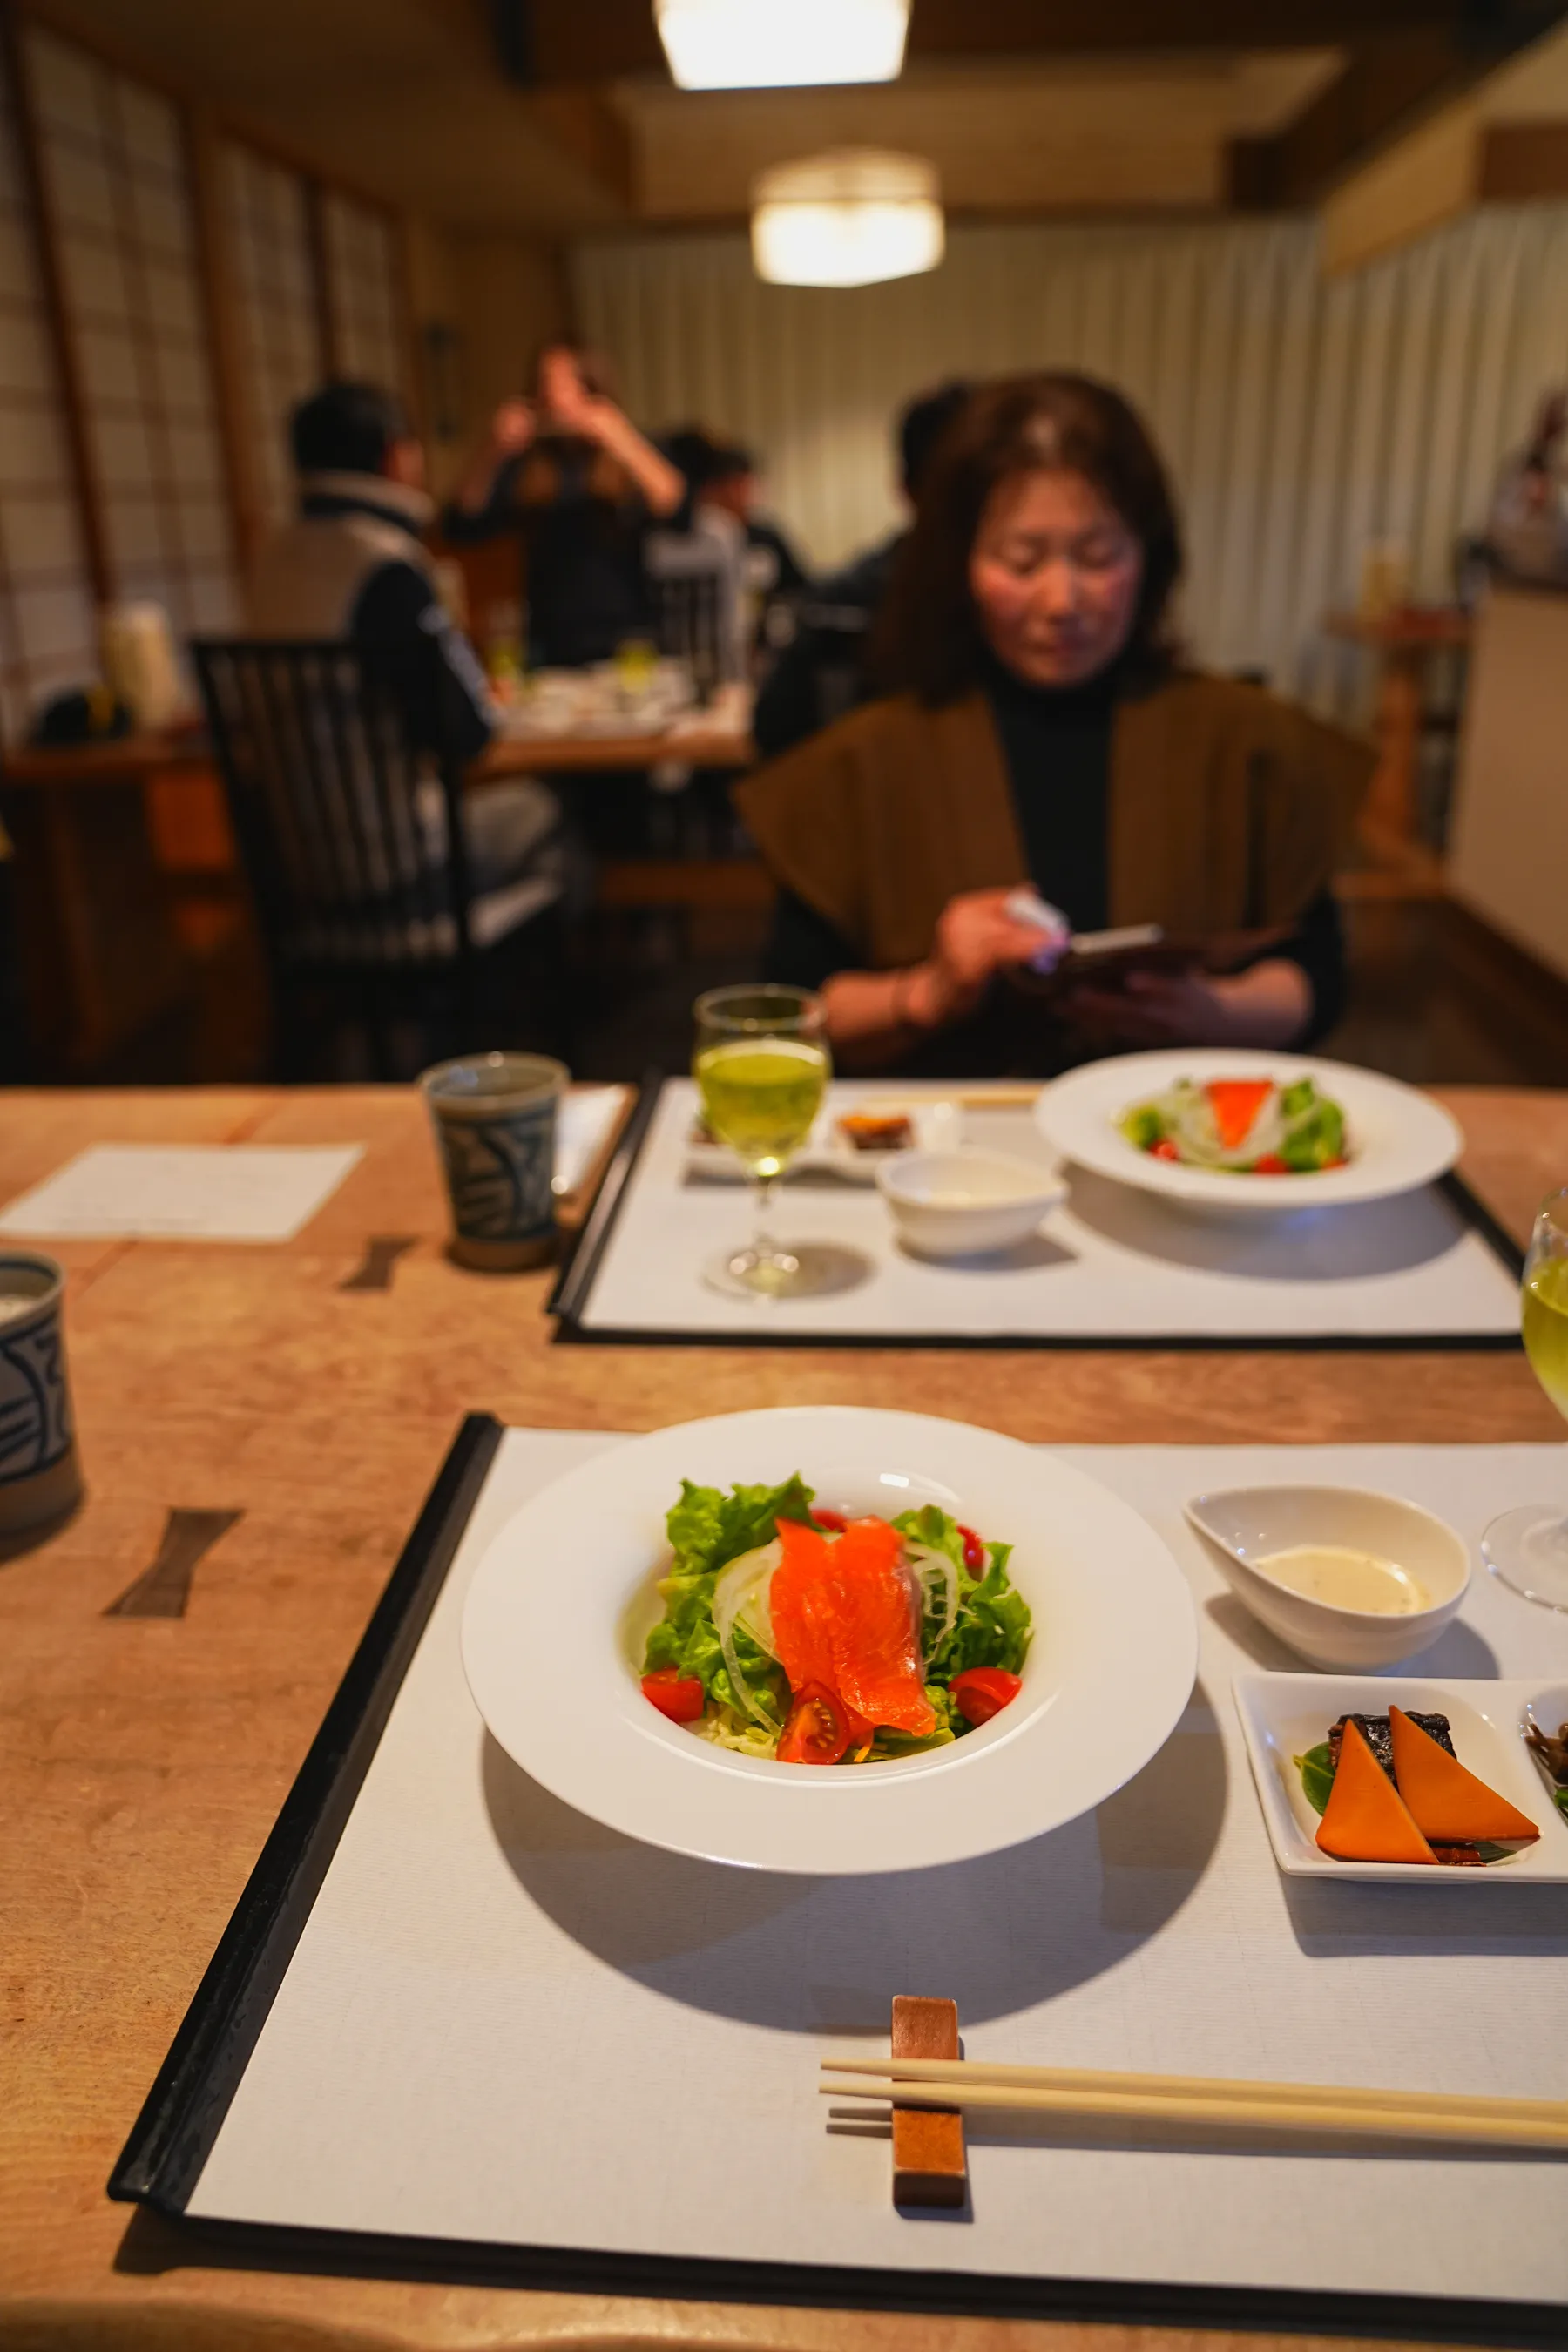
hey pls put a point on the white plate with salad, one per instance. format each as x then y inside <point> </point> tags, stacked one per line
<point>1235,1128</point>
<point>830,1640</point>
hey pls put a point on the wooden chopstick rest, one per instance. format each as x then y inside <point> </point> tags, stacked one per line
<point>930,2164</point>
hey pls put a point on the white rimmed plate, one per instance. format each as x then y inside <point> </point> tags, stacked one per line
<point>1282,1716</point>
<point>560,1605</point>
<point>1399,1139</point>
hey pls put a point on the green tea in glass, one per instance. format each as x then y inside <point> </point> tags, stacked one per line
<point>1528,1548</point>
<point>761,1066</point>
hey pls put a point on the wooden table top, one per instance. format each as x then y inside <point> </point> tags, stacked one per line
<point>714,746</point>
<point>144,1758</point>
<point>1413,628</point>
<point>130,758</point>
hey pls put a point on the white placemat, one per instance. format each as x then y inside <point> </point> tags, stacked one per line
<point>1113,1263</point>
<point>199,1191</point>
<point>504,2023</point>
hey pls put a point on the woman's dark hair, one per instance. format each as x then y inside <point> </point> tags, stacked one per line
<point>928,638</point>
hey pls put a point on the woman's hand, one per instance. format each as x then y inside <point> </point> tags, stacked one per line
<point>976,936</point>
<point>1269,1005</point>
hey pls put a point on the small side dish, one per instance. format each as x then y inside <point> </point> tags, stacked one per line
<point>1390,1787</point>
<point>1241,1126</point>
<point>873,1130</point>
<point>794,1633</point>
<point>1551,1754</point>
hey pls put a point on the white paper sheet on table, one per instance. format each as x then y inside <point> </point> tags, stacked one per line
<point>504,2023</point>
<point>207,1192</point>
<point>1115,1263</point>
<point>583,1120</point>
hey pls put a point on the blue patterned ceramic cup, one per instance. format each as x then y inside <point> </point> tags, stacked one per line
<point>494,1116</point>
<point>40,1478</point>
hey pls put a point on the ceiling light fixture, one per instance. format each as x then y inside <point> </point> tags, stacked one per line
<point>850,217</point>
<point>781,44</point>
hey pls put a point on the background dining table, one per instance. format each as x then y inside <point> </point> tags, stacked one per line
<point>312,1388</point>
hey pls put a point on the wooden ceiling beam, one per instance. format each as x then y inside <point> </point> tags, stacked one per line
<point>583,41</point>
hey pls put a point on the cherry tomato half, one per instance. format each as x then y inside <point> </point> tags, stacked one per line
<point>832,1523</point>
<point>984,1691</point>
<point>1270,1165</point>
<point>1163,1149</point>
<point>820,1728</point>
<point>974,1551</point>
<point>681,1696</point>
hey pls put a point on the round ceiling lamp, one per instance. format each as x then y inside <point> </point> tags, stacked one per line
<point>852,217</point>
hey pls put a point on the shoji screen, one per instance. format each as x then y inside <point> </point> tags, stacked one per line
<point>47,632</point>
<point>1302,418</point>
<point>118,188</point>
<point>364,294</point>
<point>270,241</point>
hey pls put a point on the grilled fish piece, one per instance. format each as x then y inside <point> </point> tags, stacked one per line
<point>1374,1730</point>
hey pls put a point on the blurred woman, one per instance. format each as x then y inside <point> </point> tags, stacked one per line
<point>1045,730</point>
<point>569,473</point>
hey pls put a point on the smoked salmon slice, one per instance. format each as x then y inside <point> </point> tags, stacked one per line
<point>1236,1102</point>
<point>845,1613</point>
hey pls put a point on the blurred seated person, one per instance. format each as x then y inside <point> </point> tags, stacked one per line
<point>721,477</point>
<point>1045,730</point>
<point>572,477</point>
<point>1527,526</point>
<point>821,674</point>
<point>351,565</point>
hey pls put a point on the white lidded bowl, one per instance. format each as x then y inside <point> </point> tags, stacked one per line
<point>1247,1523</point>
<point>964,1202</point>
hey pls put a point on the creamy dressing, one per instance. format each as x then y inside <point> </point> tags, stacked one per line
<point>1346,1579</point>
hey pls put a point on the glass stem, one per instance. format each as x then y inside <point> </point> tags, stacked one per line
<point>762,1237</point>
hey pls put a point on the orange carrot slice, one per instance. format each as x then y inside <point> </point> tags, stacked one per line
<point>1236,1102</point>
<point>1366,1819</point>
<point>1447,1802</point>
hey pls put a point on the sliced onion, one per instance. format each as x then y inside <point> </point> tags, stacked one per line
<point>741,1596</point>
<point>938,1581</point>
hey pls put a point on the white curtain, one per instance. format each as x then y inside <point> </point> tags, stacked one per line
<point>1302,418</point>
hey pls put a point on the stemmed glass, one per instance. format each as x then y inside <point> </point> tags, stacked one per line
<point>1527,1546</point>
<point>761,1061</point>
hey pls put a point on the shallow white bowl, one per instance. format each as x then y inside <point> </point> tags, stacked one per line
<point>1245,1523</point>
<point>556,1615</point>
<point>1399,1139</point>
<point>962,1203</point>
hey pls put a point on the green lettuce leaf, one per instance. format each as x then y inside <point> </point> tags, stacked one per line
<point>708,1529</point>
<point>1317,1770</point>
<point>993,1627</point>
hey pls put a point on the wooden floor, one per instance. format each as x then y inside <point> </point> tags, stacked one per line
<point>1433,999</point>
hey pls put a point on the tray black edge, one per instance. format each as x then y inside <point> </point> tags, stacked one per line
<point>1427,2319</point>
<point>574,1287</point>
<point>181,2115</point>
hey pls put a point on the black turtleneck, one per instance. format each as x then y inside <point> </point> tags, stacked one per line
<point>1055,745</point>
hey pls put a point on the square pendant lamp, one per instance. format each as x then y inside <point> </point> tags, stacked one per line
<point>781,44</point>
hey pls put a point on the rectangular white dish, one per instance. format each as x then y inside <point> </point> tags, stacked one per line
<point>1282,1716</point>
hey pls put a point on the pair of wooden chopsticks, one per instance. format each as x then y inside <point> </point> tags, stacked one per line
<point>1200,2099</point>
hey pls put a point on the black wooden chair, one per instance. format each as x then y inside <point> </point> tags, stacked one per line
<point>360,865</point>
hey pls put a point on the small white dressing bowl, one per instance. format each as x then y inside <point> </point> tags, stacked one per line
<point>1244,1524</point>
<point>964,1203</point>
